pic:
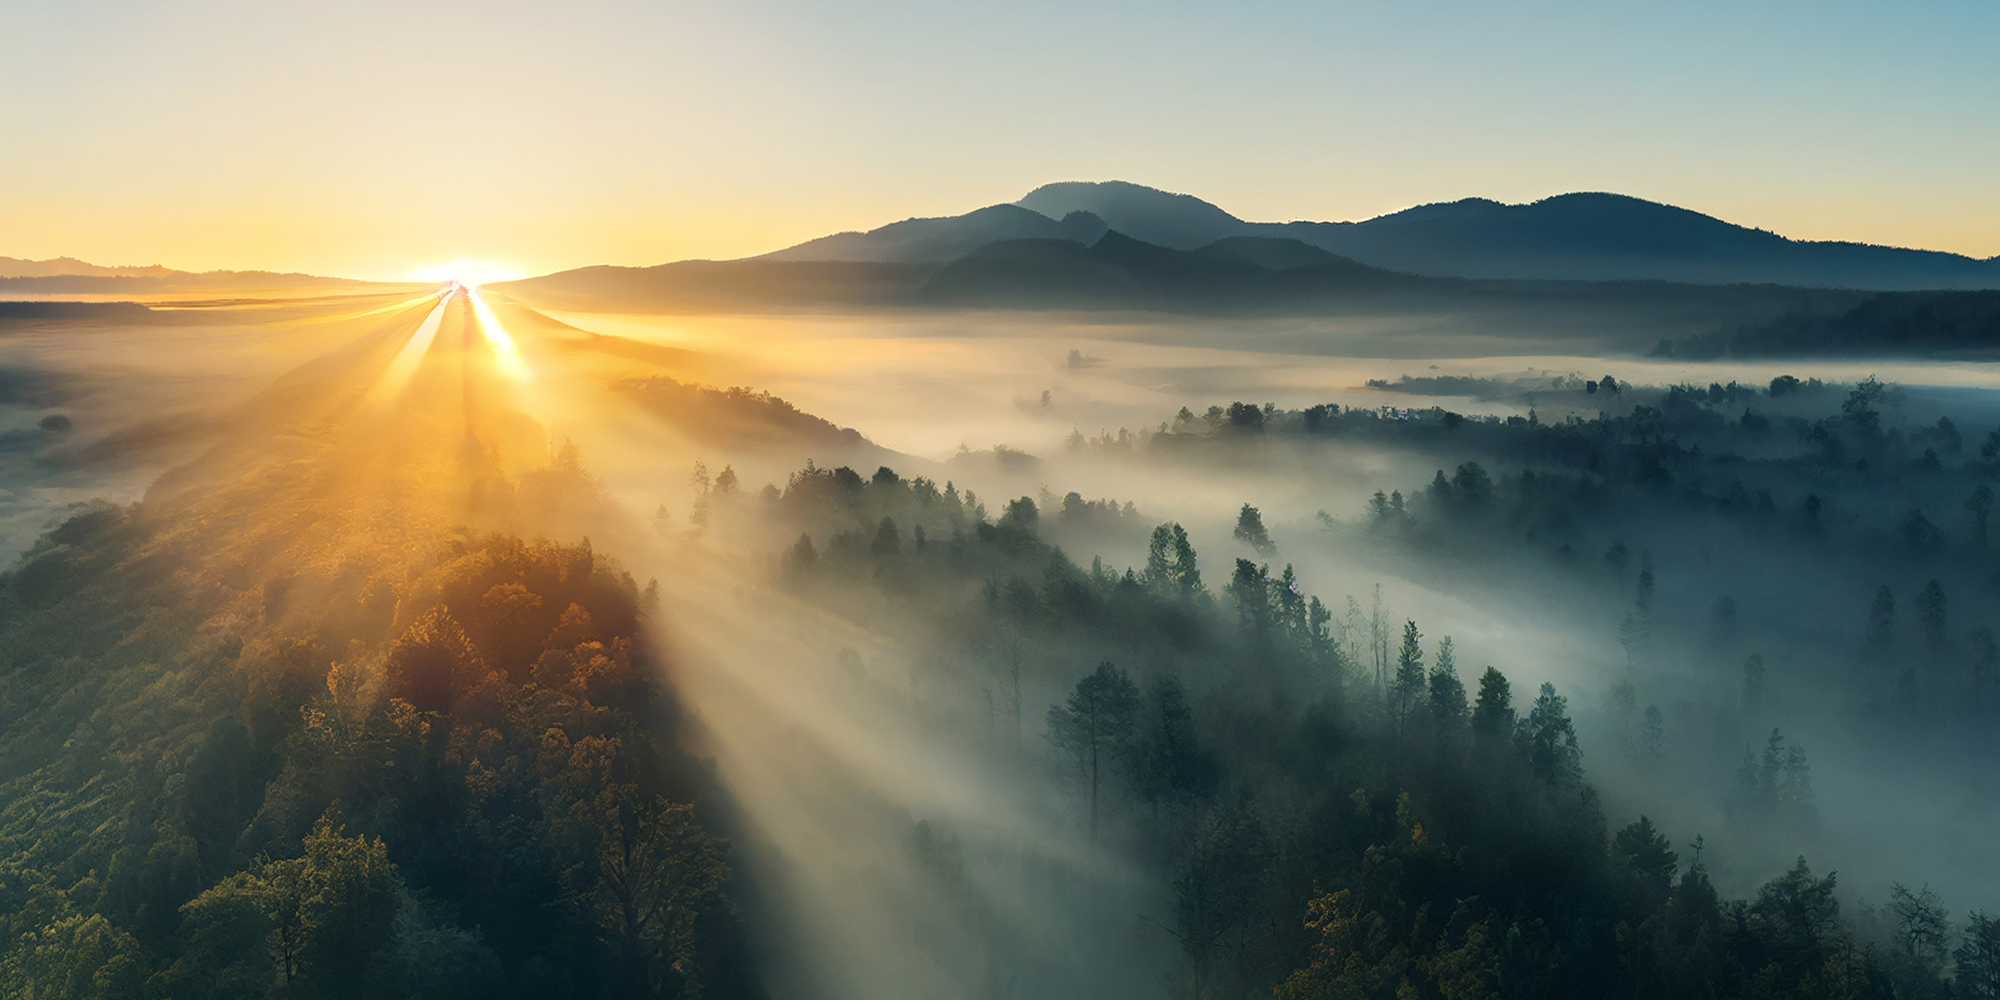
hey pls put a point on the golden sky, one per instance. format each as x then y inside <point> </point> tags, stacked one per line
<point>367,138</point>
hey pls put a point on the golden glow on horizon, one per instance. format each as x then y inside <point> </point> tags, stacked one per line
<point>470,273</point>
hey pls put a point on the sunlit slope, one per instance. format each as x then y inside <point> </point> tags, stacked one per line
<point>341,637</point>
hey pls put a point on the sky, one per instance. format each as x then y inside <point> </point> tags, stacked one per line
<point>368,138</point>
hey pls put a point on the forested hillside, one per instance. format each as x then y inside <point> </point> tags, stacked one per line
<point>1349,805</point>
<point>455,777</point>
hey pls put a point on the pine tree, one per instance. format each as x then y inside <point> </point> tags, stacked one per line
<point>1493,712</point>
<point>1408,690</point>
<point>1093,731</point>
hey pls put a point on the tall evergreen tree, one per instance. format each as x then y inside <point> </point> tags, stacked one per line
<point>1093,730</point>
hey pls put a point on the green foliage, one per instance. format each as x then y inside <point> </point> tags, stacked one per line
<point>349,801</point>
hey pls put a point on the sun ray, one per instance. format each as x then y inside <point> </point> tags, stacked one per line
<point>397,376</point>
<point>496,336</point>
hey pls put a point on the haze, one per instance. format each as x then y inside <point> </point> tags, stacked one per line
<point>371,139</point>
<point>765,502</point>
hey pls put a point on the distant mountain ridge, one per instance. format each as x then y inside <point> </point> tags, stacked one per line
<point>56,267</point>
<point>919,240</point>
<point>1571,237</point>
<point>68,275</point>
<point>1242,276</point>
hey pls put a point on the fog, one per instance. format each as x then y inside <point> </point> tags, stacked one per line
<point>904,825</point>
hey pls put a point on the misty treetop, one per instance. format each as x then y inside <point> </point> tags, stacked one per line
<point>459,781</point>
<point>1330,808</point>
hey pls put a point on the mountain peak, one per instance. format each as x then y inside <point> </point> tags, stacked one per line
<point>1180,221</point>
<point>1579,236</point>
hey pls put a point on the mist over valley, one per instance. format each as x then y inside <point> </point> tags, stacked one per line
<point>1096,595</point>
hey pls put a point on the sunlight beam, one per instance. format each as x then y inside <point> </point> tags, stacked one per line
<point>397,376</point>
<point>496,335</point>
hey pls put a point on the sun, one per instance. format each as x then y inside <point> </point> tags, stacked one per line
<point>470,273</point>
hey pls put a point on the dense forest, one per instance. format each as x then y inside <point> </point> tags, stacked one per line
<point>459,778</point>
<point>460,768</point>
<point>1342,804</point>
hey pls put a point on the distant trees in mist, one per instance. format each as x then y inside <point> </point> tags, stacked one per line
<point>1334,812</point>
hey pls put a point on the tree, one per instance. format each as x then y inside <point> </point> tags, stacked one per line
<point>1798,917</point>
<point>1646,858</point>
<point>1448,709</point>
<point>1922,930</point>
<point>433,662</point>
<point>1159,573</point>
<point>699,482</point>
<point>74,957</point>
<point>1250,530</point>
<point>310,923</point>
<point>1859,406</point>
<point>1407,690</point>
<point>1980,505</point>
<point>1653,733</point>
<point>1219,887</point>
<point>655,873</point>
<point>1251,589</point>
<point>1471,487</point>
<point>1094,730</point>
<point>1172,765</point>
<point>802,556</point>
<point>1774,786</point>
<point>1170,563</point>
<point>1022,516</point>
<point>1493,712</point>
<point>1919,533</point>
<point>1547,739</point>
<point>888,541</point>
<point>1978,955</point>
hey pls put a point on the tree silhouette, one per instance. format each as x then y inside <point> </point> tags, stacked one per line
<point>1093,731</point>
<point>1250,531</point>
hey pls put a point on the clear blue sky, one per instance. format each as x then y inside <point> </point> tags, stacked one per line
<point>368,137</point>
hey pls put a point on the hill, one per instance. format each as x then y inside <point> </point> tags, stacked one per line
<point>946,238</point>
<point>1957,324</point>
<point>69,276</point>
<point>15,267</point>
<point>1241,275</point>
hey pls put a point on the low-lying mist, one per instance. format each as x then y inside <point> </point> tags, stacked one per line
<point>998,655</point>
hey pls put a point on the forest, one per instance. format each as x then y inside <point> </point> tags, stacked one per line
<point>1538,685</point>
<point>463,783</point>
<point>1341,803</point>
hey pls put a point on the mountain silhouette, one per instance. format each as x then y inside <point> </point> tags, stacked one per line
<point>1246,276</point>
<point>68,275</point>
<point>914,240</point>
<point>1571,237</point>
<point>15,267</point>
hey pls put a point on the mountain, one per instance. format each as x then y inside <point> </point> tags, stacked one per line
<point>1181,221</point>
<point>69,276</point>
<point>1247,276</point>
<point>1236,275</point>
<point>1110,271</point>
<point>942,239</point>
<point>1572,237</point>
<point>15,267</point>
